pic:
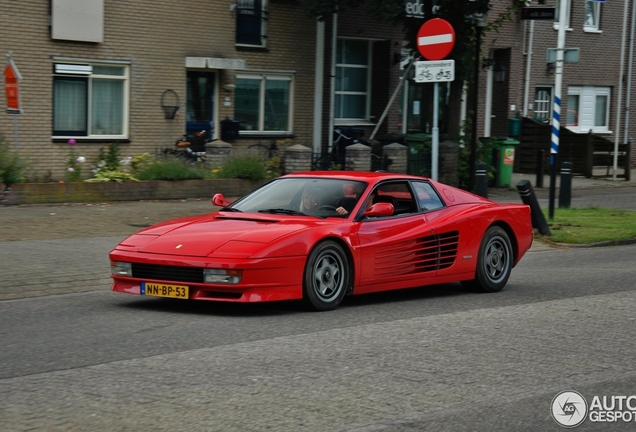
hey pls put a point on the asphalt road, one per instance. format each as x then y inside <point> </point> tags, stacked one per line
<point>76,357</point>
<point>438,359</point>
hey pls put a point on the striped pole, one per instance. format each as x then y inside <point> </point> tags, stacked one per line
<point>556,112</point>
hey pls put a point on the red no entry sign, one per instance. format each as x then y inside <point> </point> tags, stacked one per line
<point>435,39</point>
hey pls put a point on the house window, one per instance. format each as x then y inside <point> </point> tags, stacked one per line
<point>543,104</point>
<point>90,100</point>
<point>263,103</point>
<point>588,109</point>
<point>251,20</point>
<point>557,11</point>
<point>592,15</point>
<point>353,79</point>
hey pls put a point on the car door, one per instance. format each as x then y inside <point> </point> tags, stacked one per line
<point>392,252</point>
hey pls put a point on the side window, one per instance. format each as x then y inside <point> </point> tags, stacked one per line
<point>592,16</point>
<point>263,103</point>
<point>90,100</point>
<point>397,193</point>
<point>428,198</point>
<point>251,19</point>
<point>543,104</point>
<point>353,79</point>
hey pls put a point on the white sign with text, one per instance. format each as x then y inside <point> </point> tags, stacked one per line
<point>434,71</point>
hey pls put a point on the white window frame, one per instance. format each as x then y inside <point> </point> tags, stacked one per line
<point>587,108</point>
<point>593,27</point>
<point>74,68</point>
<point>263,77</point>
<point>557,9</point>
<point>343,121</point>
<point>550,103</point>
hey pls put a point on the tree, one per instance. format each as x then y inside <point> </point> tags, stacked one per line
<point>459,13</point>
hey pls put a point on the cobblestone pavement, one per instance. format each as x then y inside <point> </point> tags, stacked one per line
<point>52,249</point>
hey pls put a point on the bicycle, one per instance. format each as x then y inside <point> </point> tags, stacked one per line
<point>265,152</point>
<point>184,148</point>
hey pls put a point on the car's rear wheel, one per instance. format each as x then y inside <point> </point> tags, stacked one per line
<point>494,263</point>
<point>326,276</point>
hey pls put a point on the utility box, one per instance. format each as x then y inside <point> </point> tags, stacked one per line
<point>514,127</point>
<point>229,129</point>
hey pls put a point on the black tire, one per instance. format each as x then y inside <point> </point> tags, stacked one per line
<point>326,276</point>
<point>494,263</point>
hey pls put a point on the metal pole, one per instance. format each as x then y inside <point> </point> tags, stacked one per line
<point>15,131</point>
<point>620,90</point>
<point>435,138</point>
<point>628,92</point>
<point>332,79</point>
<point>473,139</point>
<point>556,116</point>
<point>526,91</point>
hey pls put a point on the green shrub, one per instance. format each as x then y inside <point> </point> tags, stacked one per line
<point>106,176</point>
<point>168,168</point>
<point>12,165</point>
<point>244,167</point>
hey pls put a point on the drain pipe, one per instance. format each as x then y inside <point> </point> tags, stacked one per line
<point>526,90</point>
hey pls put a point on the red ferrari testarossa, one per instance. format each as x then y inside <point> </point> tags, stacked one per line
<point>320,236</point>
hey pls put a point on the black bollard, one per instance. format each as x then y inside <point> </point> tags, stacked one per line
<point>529,198</point>
<point>565,190</point>
<point>496,161</point>
<point>481,179</point>
<point>540,167</point>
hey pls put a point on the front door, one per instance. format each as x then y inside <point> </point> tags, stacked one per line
<point>200,104</point>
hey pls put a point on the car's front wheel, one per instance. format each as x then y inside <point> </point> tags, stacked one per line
<point>326,276</point>
<point>494,262</point>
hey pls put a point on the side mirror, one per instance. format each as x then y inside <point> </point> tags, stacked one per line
<point>219,200</point>
<point>379,209</point>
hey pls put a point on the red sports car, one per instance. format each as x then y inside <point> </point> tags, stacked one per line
<point>320,236</point>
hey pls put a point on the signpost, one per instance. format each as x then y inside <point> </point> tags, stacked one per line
<point>435,40</point>
<point>12,79</point>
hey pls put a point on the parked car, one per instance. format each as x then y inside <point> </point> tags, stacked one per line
<point>320,236</point>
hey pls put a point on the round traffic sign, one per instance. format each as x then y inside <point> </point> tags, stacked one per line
<point>435,39</point>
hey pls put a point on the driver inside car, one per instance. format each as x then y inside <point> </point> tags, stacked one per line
<point>343,211</point>
<point>310,200</point>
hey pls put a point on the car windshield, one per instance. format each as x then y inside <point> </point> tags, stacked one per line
<point>318,197</point>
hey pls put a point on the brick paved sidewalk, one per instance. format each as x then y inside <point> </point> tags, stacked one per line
<point>44,222</point>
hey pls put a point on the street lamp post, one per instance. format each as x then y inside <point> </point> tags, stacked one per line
<point>480,22</point>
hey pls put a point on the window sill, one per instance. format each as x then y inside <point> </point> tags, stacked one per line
<point>592,30</point>
<point>556,27</point>
<point>578,130</point>
<point>89,140</point>
<point>353,123</point>
<point>261,134</point>
<point>245,47</point>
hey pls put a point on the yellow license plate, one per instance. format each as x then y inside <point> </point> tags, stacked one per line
<point>163,290</point>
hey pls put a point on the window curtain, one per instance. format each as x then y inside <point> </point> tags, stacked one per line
<point>247,103</point>
<point>107,107</point>
<point>69,110</point>
<point>276,105</point>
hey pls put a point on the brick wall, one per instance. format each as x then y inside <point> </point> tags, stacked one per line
<point>155,36</point>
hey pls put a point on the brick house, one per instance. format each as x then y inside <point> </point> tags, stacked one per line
<point>590,87</point>
<point>103,71</point>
